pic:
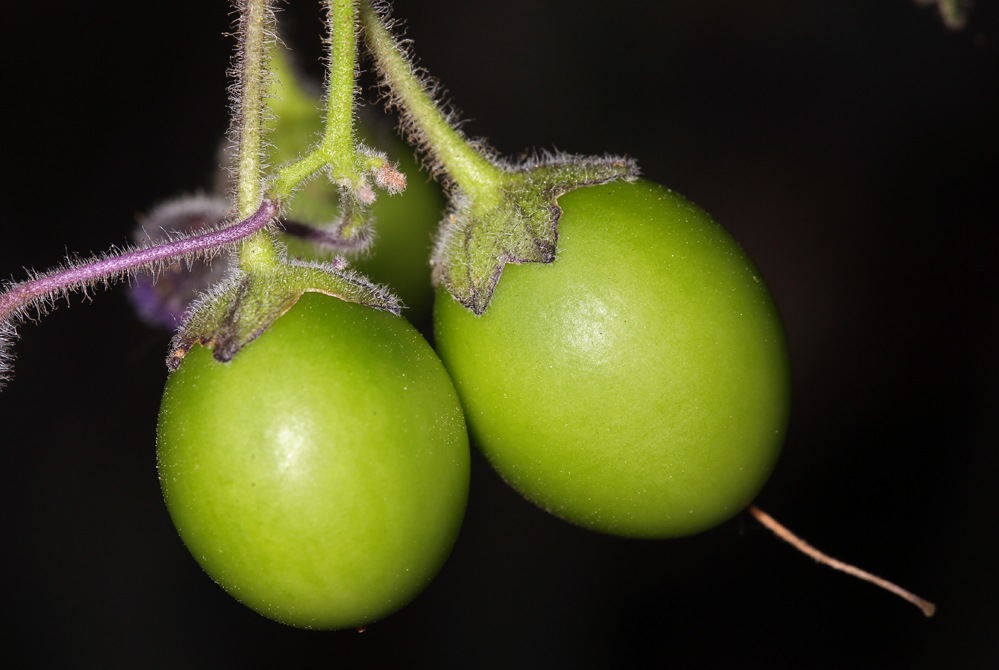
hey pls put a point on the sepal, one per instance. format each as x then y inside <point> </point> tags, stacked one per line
<point>475,242</point>
<point>241,307</point>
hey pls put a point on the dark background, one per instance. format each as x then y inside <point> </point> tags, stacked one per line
<point>850,145</point>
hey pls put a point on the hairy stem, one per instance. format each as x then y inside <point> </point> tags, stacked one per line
<point>114,266</point>
<point>251,69</point>
<point>783,533</point>
<point>336,149</point>
<point>338,141</point>
<point>258,250</point>
<point>471,171</point>
<point>324,237</point>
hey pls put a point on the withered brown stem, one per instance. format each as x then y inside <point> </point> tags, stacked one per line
<point>783,533</point>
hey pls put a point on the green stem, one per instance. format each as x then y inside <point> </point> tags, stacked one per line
<point>471,171</point>
<point>258,251</point>
<point>252,64</point>
<point>290,176</point>
<point>338,143</point>
<point>337,146</point>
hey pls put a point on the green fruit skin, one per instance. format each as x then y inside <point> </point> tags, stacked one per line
<point>321,476</point>
<point>640,384</point>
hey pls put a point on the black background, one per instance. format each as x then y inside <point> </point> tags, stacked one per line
<point>851,147</point>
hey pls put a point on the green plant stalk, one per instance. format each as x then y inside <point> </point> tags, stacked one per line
<point>258,252</point>
<point>337,147</point>
<point>338,141</point>
<point>251,70</point>
<point>471,171</point>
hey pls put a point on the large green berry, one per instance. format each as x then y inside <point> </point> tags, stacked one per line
<point>321,476</point>
<point>639,385</point>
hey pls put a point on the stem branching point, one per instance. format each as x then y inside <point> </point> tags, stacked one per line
<point>345,162</point>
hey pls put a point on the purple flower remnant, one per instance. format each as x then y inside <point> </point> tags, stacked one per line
<point>161,301</point>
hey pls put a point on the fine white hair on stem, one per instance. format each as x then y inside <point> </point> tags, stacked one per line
<point>236,72</point>
<point>408,126</point>
<point>37,295</point>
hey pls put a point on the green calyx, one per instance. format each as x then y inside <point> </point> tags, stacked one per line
<point>500,212</point>
<point>241,307</point>
<point>475,241</point>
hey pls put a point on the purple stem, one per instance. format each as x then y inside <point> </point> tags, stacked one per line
<point>27,291</point>
<point>326,238</point>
